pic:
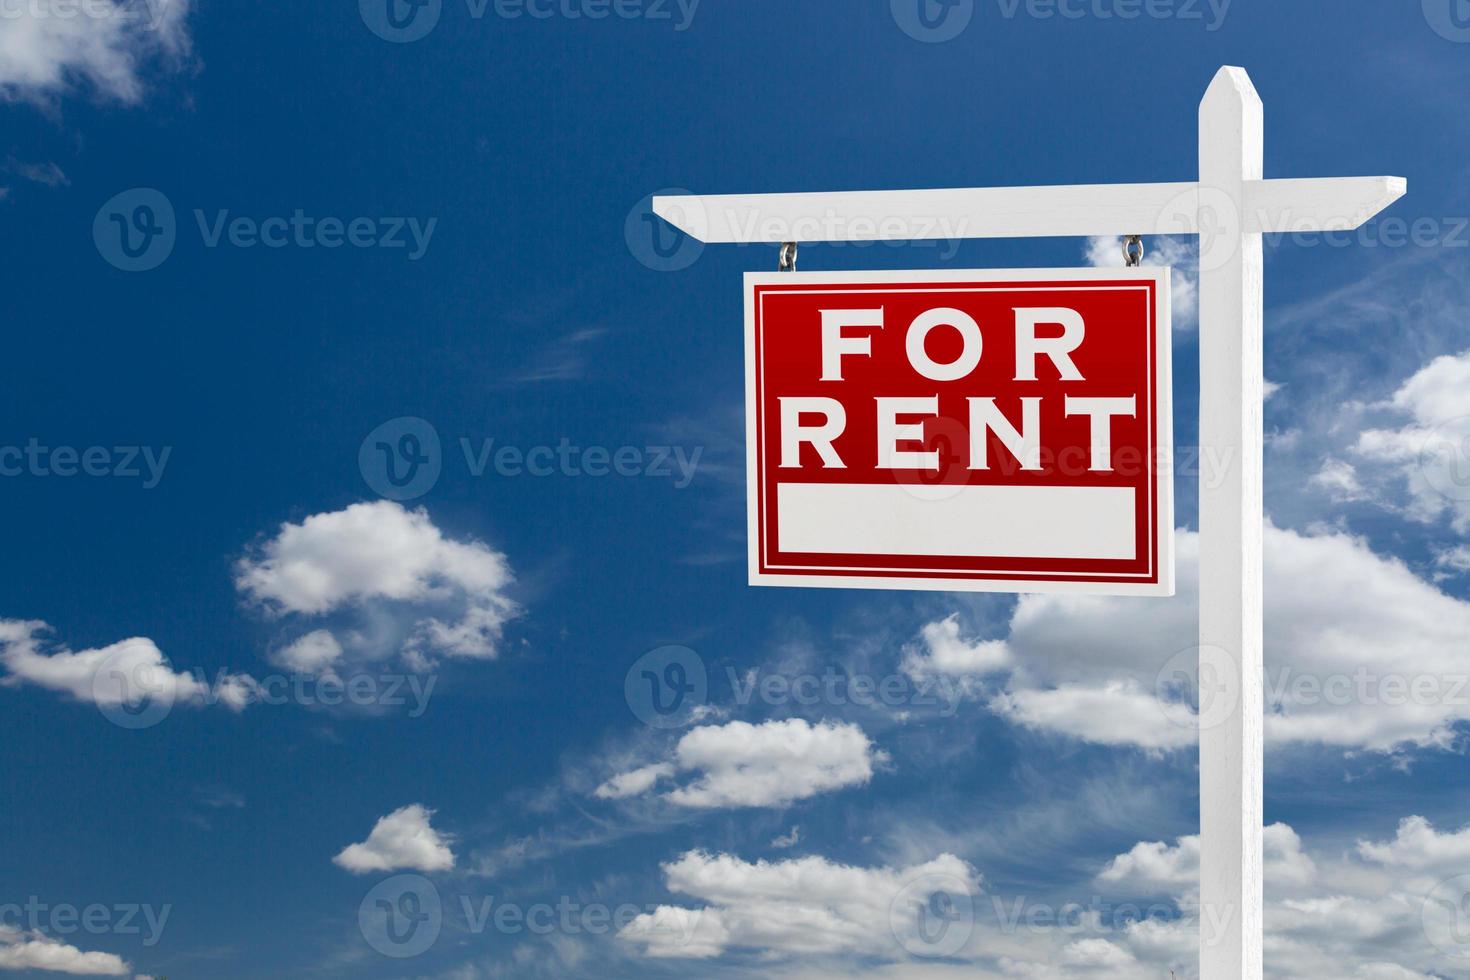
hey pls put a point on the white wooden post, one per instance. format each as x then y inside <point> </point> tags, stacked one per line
<point>1231,522</point>
<point>1229,208</point>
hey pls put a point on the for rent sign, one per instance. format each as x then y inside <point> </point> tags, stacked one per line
<point>989,431</point>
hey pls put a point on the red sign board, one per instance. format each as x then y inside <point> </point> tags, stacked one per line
<point>986,431</point>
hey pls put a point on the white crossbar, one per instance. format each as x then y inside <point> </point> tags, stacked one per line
<point>1326,204</point>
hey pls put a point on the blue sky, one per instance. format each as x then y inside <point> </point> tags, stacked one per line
<point>442,241</point>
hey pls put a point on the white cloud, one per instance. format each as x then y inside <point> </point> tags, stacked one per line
<point>403,840</point>
<point>1431,449</point>
<point>670,932</point>
<point>1360,653</point>
<point>634,783</point>
<point>112,675</point>
<point>1419,847</point>
<point>787,841</point>
<point>378,553</point>
<point>1455,559</point>
<point>805,906</point>
<point>48,47</point>
<point>1180,255</point>
<point>36,951</point>
<point>1159,868</point>
<point>1369,919</point>
<point>1380,914</point>
<point>1339,479</point>
<point>945,653</point>
<point>314,654</point>
<point>772,764</point>
<point>1114,713</point>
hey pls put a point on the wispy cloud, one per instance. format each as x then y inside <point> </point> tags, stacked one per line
<point>49,48</point>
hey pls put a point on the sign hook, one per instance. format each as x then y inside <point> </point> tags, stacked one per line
<point>1133,251</point>
<point>788,257</point>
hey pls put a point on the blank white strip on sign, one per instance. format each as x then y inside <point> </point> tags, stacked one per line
<point>958,521</point>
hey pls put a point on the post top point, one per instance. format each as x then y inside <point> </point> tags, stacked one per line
<point>1234,84</point>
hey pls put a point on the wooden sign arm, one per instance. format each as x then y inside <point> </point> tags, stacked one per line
<point>1302,205</point>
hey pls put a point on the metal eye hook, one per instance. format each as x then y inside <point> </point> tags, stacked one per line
<point>788,257</point>
<point>1133,251</point>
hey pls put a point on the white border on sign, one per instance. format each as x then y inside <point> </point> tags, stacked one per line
<point>1164,437</point>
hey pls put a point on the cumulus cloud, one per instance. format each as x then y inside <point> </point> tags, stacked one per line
<point>803,906</point>
<point>36,951</point>
<point>403,840</point>
<point>773,764</point>
<point>314,654</point>
<point>1385,913</point>
<point>379,557</point>
<point>105,47</point>
<point>1117,713</point>
<point>1159,868</point>
<point>1430,450</point>
<point>1369,918</point>
<point>944,652</point>
<point>118,674</point>
<point>1360,653</point>
<point>1419,847</point>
